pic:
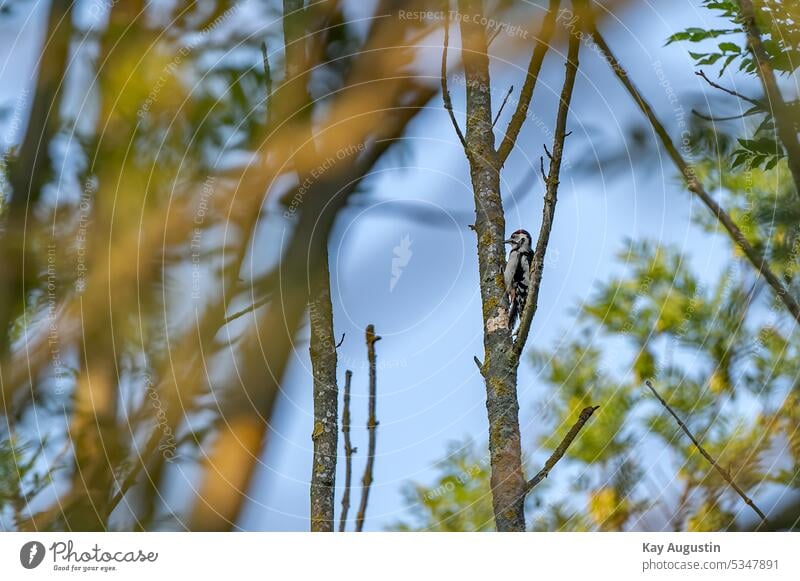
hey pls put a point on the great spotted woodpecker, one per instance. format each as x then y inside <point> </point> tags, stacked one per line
<point>518,273</point>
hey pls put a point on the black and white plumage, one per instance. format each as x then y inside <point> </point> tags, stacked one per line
<point>518,274</point>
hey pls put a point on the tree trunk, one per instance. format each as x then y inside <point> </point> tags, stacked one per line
<point>499,371</point>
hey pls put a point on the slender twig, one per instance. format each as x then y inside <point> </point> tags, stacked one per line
<point>448,103</point>
<point>372,424</point>
<point>249,309</point>
<point>525,96</point>
<point>339,344</point>
<point>784,123</point>
<point>723,472</point>
<point>503,105</point>
<point>750,100</point>
<point>550,197</point>
<point>693,182</point>
<point>348,451</point>
<point>715,119</point>
<point>561,449</point>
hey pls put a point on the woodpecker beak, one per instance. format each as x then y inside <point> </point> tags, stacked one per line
<point>508,242</point>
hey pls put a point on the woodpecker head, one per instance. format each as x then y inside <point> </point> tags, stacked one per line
<point>520,240</point>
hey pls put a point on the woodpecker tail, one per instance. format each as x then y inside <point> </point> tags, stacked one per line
<point>511,306</point>
<point>512,316</point>
<point>516,299</point>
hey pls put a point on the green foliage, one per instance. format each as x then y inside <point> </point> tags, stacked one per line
<point>759,199</point>
<point>764,151</point>
<point>778,21</point>
<point>779,25</point>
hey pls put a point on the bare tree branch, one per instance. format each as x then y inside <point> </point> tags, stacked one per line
<point>503,105</point>
<point>525,96</point>
<point>348,452</point>
<point>550,197</point>
<point>693,183</point>
<point>724,473</point>
<point>561,449</point>
<point>372,424</point>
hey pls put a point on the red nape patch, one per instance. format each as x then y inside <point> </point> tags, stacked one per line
<point>522,232</point>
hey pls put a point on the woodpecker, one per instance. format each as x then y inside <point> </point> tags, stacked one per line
<point>518,274</point>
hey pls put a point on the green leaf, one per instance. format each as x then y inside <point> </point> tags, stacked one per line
<point>730,47</point>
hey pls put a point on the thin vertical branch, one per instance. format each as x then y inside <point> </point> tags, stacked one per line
<point>693,183</point>
<point>784,122</point>
<point>525,96</point>
<point>348,451</point>
<point>550,197</point>
<point>722,471</point>
<point>372,424</point>
<point>503,105</point>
